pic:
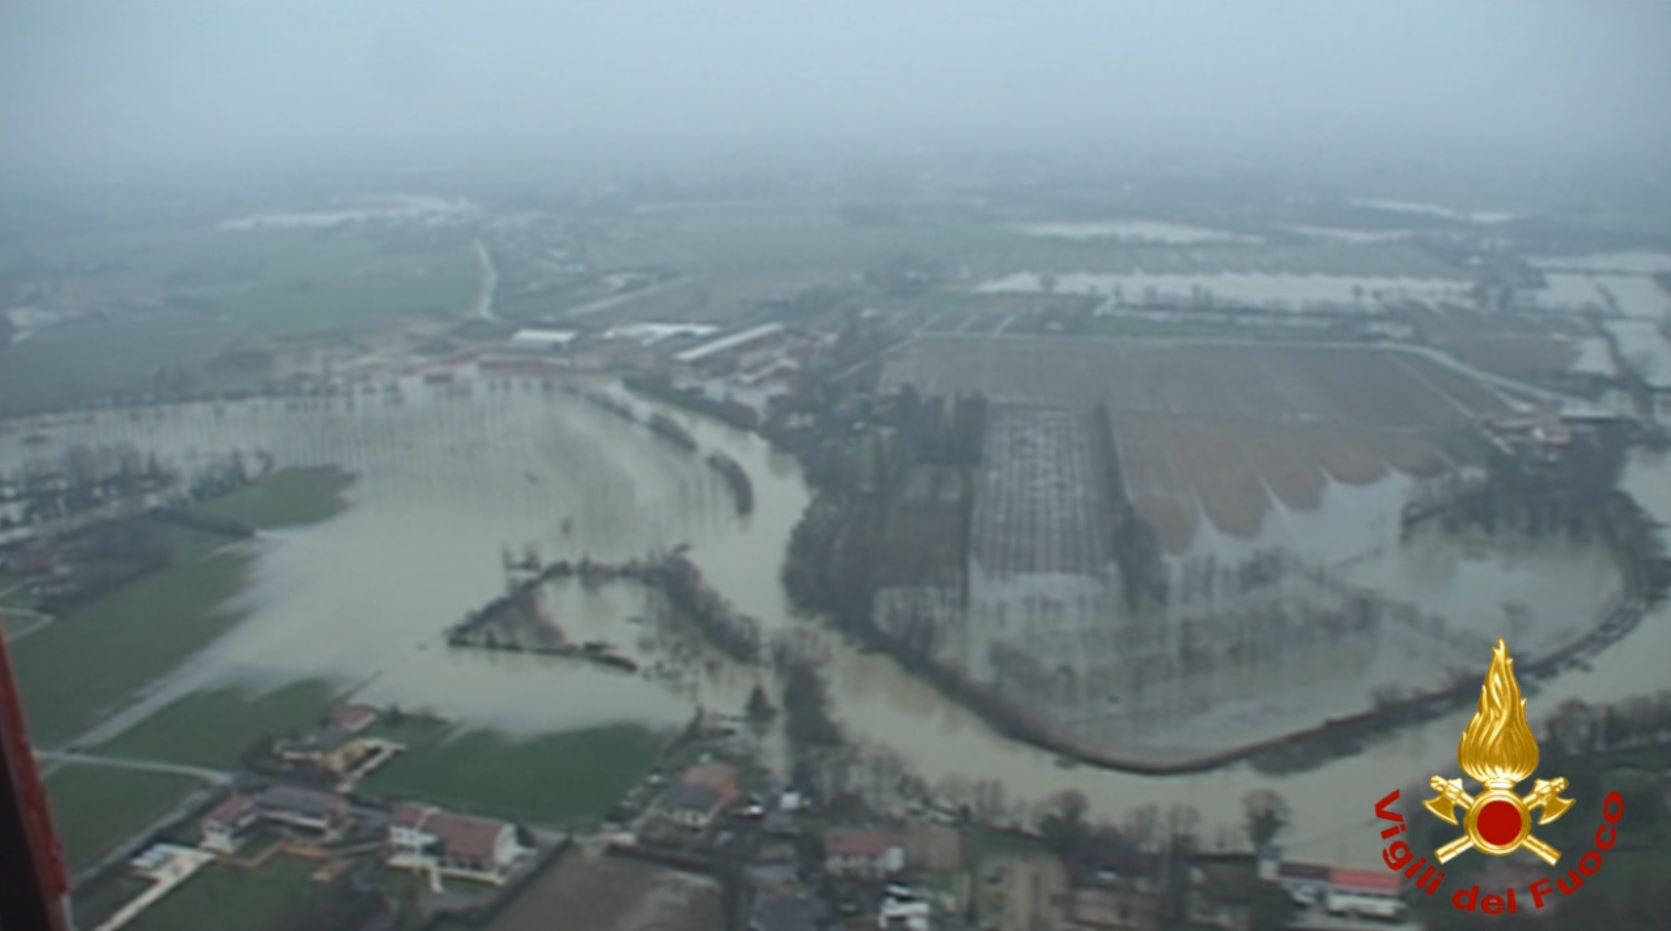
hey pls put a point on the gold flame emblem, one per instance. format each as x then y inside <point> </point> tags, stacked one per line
<point>1498,750</point>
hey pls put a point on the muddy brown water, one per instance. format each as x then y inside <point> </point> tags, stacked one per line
<point>450,475</point>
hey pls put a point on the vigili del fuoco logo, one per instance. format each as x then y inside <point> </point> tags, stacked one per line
<point>1499,751</point>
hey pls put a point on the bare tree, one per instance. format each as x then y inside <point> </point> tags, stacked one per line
<point>1267,814</point>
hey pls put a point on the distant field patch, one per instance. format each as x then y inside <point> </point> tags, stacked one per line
<point>284,498</point>
<point>1219,432</point>
<point>570,778</point>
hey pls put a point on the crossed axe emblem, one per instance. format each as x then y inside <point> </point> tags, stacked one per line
<point>1508,817</point>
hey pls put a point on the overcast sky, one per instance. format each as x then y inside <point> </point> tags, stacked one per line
<point>97,82</point>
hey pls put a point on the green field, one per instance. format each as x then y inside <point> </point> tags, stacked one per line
<point>723,250</point>
<point>95,807</point>
<point>285,498</point>
<point>82,362</point>
<point>226,899</point>
<point>214,728</point>
<point>155,299</point>
<point>290,282</point>
<point>572,778</point>
<point>87,663</point>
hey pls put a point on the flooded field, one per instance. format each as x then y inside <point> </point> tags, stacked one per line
<point>1636,262</point>
<point>1280,291</point>
<point>1221,434</point>
<point>1153,232</point>
<point>450,475</point>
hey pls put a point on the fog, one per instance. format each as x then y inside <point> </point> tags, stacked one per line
<point>137,85</point>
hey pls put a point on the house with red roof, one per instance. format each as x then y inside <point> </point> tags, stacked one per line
<point>300,812</point>
<point>223,825</point>
<point>1365,893</point>
<point>863,854</point>
<point>426,839</point>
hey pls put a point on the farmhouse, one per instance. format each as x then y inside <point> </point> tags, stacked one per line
<point>222,827</point>
<point>692,807</point>
<point>321,815</point>
<point>318,816</point>
<point>721,354</point>
<point>335,749</point>
<point>426,839</point>
<point>541,340</point>
<point>861,854</point>
<point>1367,893</point>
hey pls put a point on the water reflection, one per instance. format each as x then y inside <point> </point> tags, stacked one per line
<point>449,477</point>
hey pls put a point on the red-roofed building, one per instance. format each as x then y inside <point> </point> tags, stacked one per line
<point>1305,883</point>
<point>1367,893</point>
<point>719,777</point>
<point>863,854</point>
<point>431,840</point>
<point>222,825</point>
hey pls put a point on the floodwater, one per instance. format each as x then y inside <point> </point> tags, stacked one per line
<point>449,475</point>
<point>1420,208</point>
<point>1157,232</point>
<point>1636,262</point>
<point>1276,291</point>
<point>403,208</point>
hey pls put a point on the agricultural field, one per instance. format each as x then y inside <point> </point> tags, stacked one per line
<point>93,659</point>
<point>285,498</point>
<point>1220,432</point>
<point>96,807</point>
<point>274,281</point>
<point>487,773</point>
<point>1039,503</point>
<point>96,656</point>
<point>729,264</point>
<point>608,893</point>
<point>120,309</point>
<point>238,900</point>
<point>214,728</point>
<point>1528,347</point>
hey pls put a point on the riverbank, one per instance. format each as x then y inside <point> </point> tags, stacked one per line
<point>95,656</point>
<point>823,539</point>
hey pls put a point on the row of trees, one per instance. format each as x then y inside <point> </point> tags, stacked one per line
<point>1133,542</point>
<point>736,634</point>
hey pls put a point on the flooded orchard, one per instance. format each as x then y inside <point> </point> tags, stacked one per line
<point>450,477</point>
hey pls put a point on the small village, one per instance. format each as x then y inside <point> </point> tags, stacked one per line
<point>709,840</point>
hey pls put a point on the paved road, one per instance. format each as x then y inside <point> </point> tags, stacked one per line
<point>615,300</point>
<point>205,773</point>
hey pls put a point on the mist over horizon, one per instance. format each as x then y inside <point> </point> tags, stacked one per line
<point>138,88</point>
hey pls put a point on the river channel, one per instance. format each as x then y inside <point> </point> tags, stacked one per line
<point>450,475</point>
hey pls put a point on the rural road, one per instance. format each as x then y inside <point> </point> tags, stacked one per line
<point>615,300</point>
<point>205,773</point>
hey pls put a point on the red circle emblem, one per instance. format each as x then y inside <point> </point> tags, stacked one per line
<point>1499,823</point>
